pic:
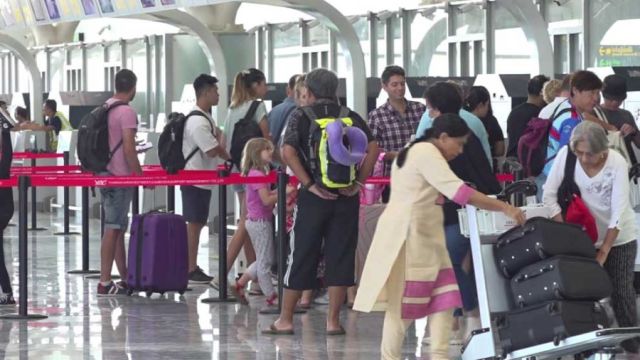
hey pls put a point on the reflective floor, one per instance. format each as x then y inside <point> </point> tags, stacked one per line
<point>82,326</point>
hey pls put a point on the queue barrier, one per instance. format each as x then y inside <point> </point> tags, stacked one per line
<point>34,178</point>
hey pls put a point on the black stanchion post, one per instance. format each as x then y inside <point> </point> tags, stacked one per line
<point>23,239</point>
<point>85,236</point>
<point>222,244</point>
<point>34,224</point>
<point>65,205</point>
<point>135,201</point>
<point>171,198</point>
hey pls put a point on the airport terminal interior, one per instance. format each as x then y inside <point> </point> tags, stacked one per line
<point>400,67</point>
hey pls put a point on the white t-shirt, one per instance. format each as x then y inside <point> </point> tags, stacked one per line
<point>557,103</point>
<point>199,133</point>
<point>238,113</point>
<point>606,195</point>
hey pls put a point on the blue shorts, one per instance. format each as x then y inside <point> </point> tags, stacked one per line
<point>195,204</point>
<point>116,203</point>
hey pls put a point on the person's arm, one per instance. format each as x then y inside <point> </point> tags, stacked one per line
<point>268,197</point>
<point>129,149</point>
<point>630,130</point>
<point>554,179</point>
<point>264,127</point>
<point>290,156</point>
<point>619,203</point>
<point>498,148</point>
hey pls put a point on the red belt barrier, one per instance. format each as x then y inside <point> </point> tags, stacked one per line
<point>11,182</point>
<point>28,155</point>
<point>505,177</point>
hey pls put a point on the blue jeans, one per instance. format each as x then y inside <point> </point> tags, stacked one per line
<point>458,247</point>
<point>540,180</point>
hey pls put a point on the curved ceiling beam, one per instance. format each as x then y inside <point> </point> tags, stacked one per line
<point>436,34</point>
<point>212,49</point>
<point>330,17</point>
<point>30,63</point>
<point>535,29</point>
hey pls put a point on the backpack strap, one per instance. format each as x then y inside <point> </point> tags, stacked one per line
<point>114,105</point>
<point>570,166</point>
<point>195,150</point>
<point>313,126</point>
<point>252,110</point>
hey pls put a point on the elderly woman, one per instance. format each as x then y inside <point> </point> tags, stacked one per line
<point>602,177</point>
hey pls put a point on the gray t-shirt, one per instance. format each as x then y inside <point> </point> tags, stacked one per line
<point>619,117</point>
<point>238,113</point>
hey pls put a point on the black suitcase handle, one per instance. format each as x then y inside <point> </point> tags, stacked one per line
<point>521,277</point>
<point>524,187</point>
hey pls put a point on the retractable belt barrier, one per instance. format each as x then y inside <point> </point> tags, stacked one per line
<point>69,176</point>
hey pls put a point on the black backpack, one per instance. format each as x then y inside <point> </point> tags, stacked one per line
<point>93,147</point>
<point>243,131</point>
<point>170,143</point>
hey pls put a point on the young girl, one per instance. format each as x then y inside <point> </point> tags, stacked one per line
<point>261,200</point>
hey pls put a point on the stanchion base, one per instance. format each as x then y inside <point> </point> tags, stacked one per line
<point>67,233</point>
<point>83,272</point>
<point>11,224</point>
<point>38,229</point>
<point>215,300</point>
<point>23,317</point>
<point>97,277</point>
<point>276,311</point>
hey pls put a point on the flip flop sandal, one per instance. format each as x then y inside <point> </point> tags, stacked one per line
<point>336,332</point>
<point>273,330</point>
<point>238,293</point>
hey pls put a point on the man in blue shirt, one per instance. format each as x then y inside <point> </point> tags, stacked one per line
<point>474,123</point>
<point>278,116</point>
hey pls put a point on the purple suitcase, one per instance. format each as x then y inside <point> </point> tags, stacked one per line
<point>158,255</point>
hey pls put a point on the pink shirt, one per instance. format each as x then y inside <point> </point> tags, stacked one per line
<point>120,118</point>
<point>256,210</point>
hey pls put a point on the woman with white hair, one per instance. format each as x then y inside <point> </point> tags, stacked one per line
<point>602,177</point>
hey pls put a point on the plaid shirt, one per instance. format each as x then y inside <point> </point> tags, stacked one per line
<point>391,130</point>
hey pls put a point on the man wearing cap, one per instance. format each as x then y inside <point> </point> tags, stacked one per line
<point>614,92</point>
<point>322,214</point>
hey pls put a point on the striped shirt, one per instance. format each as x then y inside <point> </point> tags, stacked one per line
<point>391,129</point>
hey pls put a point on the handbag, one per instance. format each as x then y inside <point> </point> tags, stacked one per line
<point>574,210</point>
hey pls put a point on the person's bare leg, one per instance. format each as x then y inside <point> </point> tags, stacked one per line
<point>289,301</point>
<point>107,253</point>
<point>121,257</point>
<point>193,234</point>
<point>241,237</point>
<point>351,295</point>
<point>307,298</point>
<point>336,299</point>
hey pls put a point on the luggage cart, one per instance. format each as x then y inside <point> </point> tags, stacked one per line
<point>494,298</point>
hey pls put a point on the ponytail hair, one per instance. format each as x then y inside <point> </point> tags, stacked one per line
<point>450,124</point>
<point>243,86</point>
<point>477,95</point>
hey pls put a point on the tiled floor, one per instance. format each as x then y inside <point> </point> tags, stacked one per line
<point>82,326</point>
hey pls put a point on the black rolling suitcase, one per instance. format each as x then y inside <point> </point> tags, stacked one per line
<point>547,322</point>
<point>539,239</point>
<point>561,278</point>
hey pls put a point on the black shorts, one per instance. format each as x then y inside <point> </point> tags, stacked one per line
<point>316,220</point>
<point>195,204</point>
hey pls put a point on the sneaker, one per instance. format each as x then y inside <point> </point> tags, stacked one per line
<point>322,300</point>
<point>198,276</point>
<point>110,290</point>
<point>254,289</point>
<point>7,299</point>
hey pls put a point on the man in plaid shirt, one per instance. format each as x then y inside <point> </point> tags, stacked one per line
<point>394,123</point>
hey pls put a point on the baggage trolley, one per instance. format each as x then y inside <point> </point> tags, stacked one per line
<point>494,298</point>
